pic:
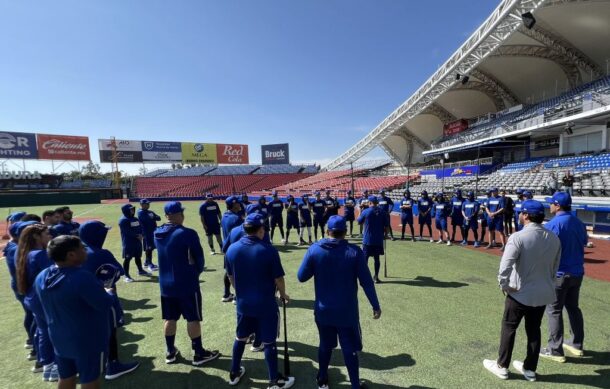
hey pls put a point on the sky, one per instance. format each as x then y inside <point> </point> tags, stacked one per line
<point>317,74</point>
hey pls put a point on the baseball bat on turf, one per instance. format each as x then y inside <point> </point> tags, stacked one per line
<point>286,353</point>
<point>385,260</point>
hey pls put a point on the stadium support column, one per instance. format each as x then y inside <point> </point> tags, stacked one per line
<point>352,177</point>
<point>443,175</point>
<point>476,185</point>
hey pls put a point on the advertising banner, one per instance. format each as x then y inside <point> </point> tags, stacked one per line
<point>121,145</point>
<point>275,154</point>
<point>161,151</point>
<point>199,152</point>
<point>122,156</point>
<point>18,145</point>
<point>63,147</point>
<point>234,154</point>
<point>455,127</point>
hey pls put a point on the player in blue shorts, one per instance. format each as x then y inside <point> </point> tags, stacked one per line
<point>375,231</point>
<point>424,209</point>
<point>387,205</point>
<point>495,218</point>
<point>349,212</point>
<point>406,214</point>
<point>209,213</point>
<point>305,217</point>
<point>363,203</point>
<point>457,219</point>
<point>180,264</point>
<point>441,209</point>
<point>319,209</point>
<point>264,210</point>
<point>337,267</point>
<point>131,240</point>
<point>470,213</point>
<point>148,220</point>
<point>276,215</point>
<point>78,312</point>
<point>230,220</point>
<point>292,219</point>
<point>256,273</point>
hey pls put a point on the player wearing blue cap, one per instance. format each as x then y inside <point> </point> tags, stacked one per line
<point>517,208</point>
<point>441,210</point>
<point>572,234</point>
<point>65,226</point>
<point>406,214</point>
<point>77,311</point>
<point>457,219</point>
<point>264,210</point>
<point>32,259</point>
<point>256,273</point>
<point>230,220</point>
<point>424,209</point>
<point>387,205</point>
<point>209,213</point>
<point>349,213</point>
<point>276,209</point>
<point>305,217</point>
<point>495,218</point>
<point>244,202</point>
<point>292,218</point>
<point>108,270</point>
<point>375,229</point>
<point>181,262</point>
<point>470,212</point>
<point>15,217</point>
<point>363,203</point>
<point>527,278</point>
<point>148,220</point>
<point>131,240</point>
<point>332,206</point>
<point>509,213</point>
<point>483,216</point>
<point>319,209</point>
<point>337,267</point>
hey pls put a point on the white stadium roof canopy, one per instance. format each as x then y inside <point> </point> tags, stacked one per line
<point>507,65</point>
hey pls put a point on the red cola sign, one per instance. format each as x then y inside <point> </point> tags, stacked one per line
<point>233,154</point>
<point>63,147</point>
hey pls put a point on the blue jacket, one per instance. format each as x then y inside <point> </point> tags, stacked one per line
<point>130,231</point>
<point>456,207</point>
<point>37,262</point>
<point>229,221</point>
<point>375,221</point>
<point>494,204</point>
<point>148,220</point>
<point>424,205</point>
<point>386,204</point>
<point>275,207</point>
<point>337,267</point>
<point>319,207</point>
<point>573,237</point>
<point>77,310</point>
<point>238,233</point>
<point>292,211</point>
<point>441,209</point>
<point>471,209</point>
<point>180,260</point>
<point>210,211</point>
<point>305,211</point>
<point>10,251</point>
<point>406,211</point>
<point>65,228</point>
<point>349,206</point>
<point>93,234</point>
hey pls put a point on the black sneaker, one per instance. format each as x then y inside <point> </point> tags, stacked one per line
<point>281,382</point>
<point>207,356</point>
<point>171,357</point>
<point>234,378</point>
<point>322,384</point>
<point>377,280</point>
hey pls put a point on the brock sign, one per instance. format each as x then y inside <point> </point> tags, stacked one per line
<point>233,154</point>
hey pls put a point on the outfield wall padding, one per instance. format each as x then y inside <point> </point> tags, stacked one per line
<point>31,198</point>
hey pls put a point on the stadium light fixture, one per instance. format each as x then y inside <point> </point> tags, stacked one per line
<point>465,80</point>
<point>458,76</point>
<point>528,20</point>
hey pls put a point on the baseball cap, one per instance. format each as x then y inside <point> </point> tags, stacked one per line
<point>424,193</point>
<point>337,223</point>
<point>231,200</point>
<point>349,192</point>
<point>532,207</point>
<point>317,193</point>
<point>274,193</point>
<point>407,192</point>
<point>209,195</point>
<point>373,199</point>
<point>562,199</point>
<point>251,208</point>
<point>253,220</point>
<point>173,207</point>
<point>471,194</point>
<point>23,225</point>
<point>519,191</point>
<point>528,194</point>
<point>440,194</point>
<point>15,216</point>
<point>382,191</point>
<point>494,190</point>
<point>144,201</point>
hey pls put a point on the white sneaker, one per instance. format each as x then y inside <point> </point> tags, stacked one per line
<point>448,243</point>
<point>234,380</point>
<point>431,240</point>
<point>440,241</point>
<point>528,374</point>
<point>128,279</point>
<point>257,349</point>
<point>212,252</point>
<point>492,366</point>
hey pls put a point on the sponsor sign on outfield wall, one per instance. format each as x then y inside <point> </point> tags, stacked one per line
<point>275,154</point>
<point>121,156</point>
<point>63,147</point>
<point>18,145</point>
<point>199,152</point>
<point>234,154</point>
<point>153,151</point>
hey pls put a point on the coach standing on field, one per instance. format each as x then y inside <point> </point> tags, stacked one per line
<point>376,225</point>
<point>337,266</point>
<point>527,278</point>
<point>573,236</point>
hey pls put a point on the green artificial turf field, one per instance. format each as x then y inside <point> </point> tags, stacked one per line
<point>441,318</point>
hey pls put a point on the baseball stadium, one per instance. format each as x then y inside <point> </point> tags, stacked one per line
<point>516,123</point>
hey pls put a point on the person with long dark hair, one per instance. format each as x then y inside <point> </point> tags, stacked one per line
<point>31,260</point>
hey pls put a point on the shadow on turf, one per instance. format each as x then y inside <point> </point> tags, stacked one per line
<point>594,381</point>
<point>427,282</point>
<point>132,305</point>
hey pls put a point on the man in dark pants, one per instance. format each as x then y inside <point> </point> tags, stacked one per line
<point>406,214</point>
<point>527,278</point>
<point>276,209</point>
<point>376,225</point>
<point>387,205</point>
<point>230,220</point>
<point>509,209</point>
<point>573,236</point>
<point>337,266</point>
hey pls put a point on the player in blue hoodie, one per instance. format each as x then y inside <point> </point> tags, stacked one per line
<point>131,240</point>
<point>77,310</point>
<point>305,217</point>
<point>180,264</point>
<point>457,219</point>
<point>100,262</point>
<point>148,220</point>
<point>470,212</point>
<point>337,266</point>
<point>209,213</point>
<point>376,224</point>
<point>256,273</point>
<point>65,226</point>
<point>292,219</point>
<point>406,214</point>
<point>363,203</point>
<point>319,209</point>
<point>441,210</point>
<point>424,209</point>
<point>30,261</point>
<point>349,211</point>
<point>387,205</point>
<point>276,209</point>
<point>230,220</point>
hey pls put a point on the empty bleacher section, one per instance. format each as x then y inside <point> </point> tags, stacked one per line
<point>81,184</point>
